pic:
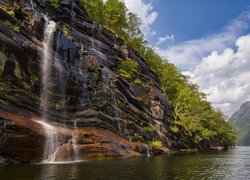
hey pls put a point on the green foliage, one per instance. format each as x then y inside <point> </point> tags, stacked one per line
<point>192,111</point>
<point>3,102</point>
<point>55,106</point>
<point>9,11</point>
<point>240,121</point>
<point>149,128</point>
<point>114,16</point>
<point>34,78</point>
<point>155,143</point>
<point>174,128</point>
<point>138,81</point>
<point>66,32</point>
<point>12,26</point>
<point>127,68</point>
<point>54,3</point>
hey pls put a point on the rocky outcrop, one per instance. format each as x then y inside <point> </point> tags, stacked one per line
<point>103,98</point>
<point>23,141</point>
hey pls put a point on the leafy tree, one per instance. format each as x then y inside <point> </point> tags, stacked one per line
<point>95,8</point>
<point>115,16</point>
<point>192,110</point>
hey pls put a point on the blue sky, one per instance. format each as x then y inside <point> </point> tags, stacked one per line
<point>208,40</point>
<point>194,19</point>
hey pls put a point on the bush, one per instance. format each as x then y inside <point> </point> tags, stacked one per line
<point>127,68</point>
<point>54,3</point>
<point>66,32</point>
<point>12,26</point>
<point>149,128</point>
<point>175,129</point>
<point>9,11</point>
<point>155,143</point>
<point>192,111</point>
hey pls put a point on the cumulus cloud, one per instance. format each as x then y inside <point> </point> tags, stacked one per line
<point>225,76</point>
<point>188,54</point>
<point>165,39</point>
<point>219,64</point>
<point>145,12</point>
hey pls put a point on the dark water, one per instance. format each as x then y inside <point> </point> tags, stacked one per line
<point>232,164</point>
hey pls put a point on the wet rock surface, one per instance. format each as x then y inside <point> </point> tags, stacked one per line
<point>105,112</point>
<point>22,140</point>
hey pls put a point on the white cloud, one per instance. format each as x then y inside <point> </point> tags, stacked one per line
<point>145,12</point>
<point>225,76</point>
<point>165,39</point>
<point>188,54</point>
<point>219,64</point>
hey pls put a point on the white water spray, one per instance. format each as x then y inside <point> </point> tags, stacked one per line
<point>46,63</point>
<point>32,4</point>
<point>75,148</point>
<point>148,153</point>
<point>51,143</point>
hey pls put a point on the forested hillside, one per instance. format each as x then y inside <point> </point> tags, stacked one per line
<point>241,120</point>
<point>79,81</point>
<point>192,110</point>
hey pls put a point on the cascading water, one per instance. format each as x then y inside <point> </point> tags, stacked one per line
<point>32,4</point>
<point>46,64</point>
<point>148,153</point>
<point>75,148</point>
<point>52,144</point>
<point>116,109</point>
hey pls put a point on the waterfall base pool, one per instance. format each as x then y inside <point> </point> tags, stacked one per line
<point>232,164</point>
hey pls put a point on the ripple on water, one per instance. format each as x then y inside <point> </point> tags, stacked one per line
<point>230,165</point>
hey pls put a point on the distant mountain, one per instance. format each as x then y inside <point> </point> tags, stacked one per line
<point>241,120</point>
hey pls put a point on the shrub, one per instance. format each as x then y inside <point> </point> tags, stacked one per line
<point>54,3</point>
<point>12,26</point>
<point>175,129</point>
<point>149,128</point>
<point>34,78</point>
<point>155,143</point>
<point>127,68</point>
<point>9,11</point>
<point>66,32</point>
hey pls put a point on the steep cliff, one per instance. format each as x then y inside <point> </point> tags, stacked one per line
<point>241,120</point>
<point>72,90</point>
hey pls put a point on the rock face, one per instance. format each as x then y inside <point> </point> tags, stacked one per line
<point>103,99</point>
<point>241,120</point>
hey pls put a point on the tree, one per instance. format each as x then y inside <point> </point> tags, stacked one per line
<point>192,110</point>
<point>95,9</point>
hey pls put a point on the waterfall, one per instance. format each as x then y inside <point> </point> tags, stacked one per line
<point>32,4</point>
<point>115,106</point>
<point>46,63</point>
<point>51,143</point>
<point>74,141</point>
<point>148,153</point>
<point>75,148</point>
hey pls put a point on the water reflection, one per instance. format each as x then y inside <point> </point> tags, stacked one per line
<point>233,164</point>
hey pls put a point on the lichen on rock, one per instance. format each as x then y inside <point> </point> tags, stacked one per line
<point>101,91</point>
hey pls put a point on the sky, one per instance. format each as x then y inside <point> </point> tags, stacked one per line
<point>208,40</point>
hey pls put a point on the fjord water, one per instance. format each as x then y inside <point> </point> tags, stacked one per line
<point>232,164</point>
